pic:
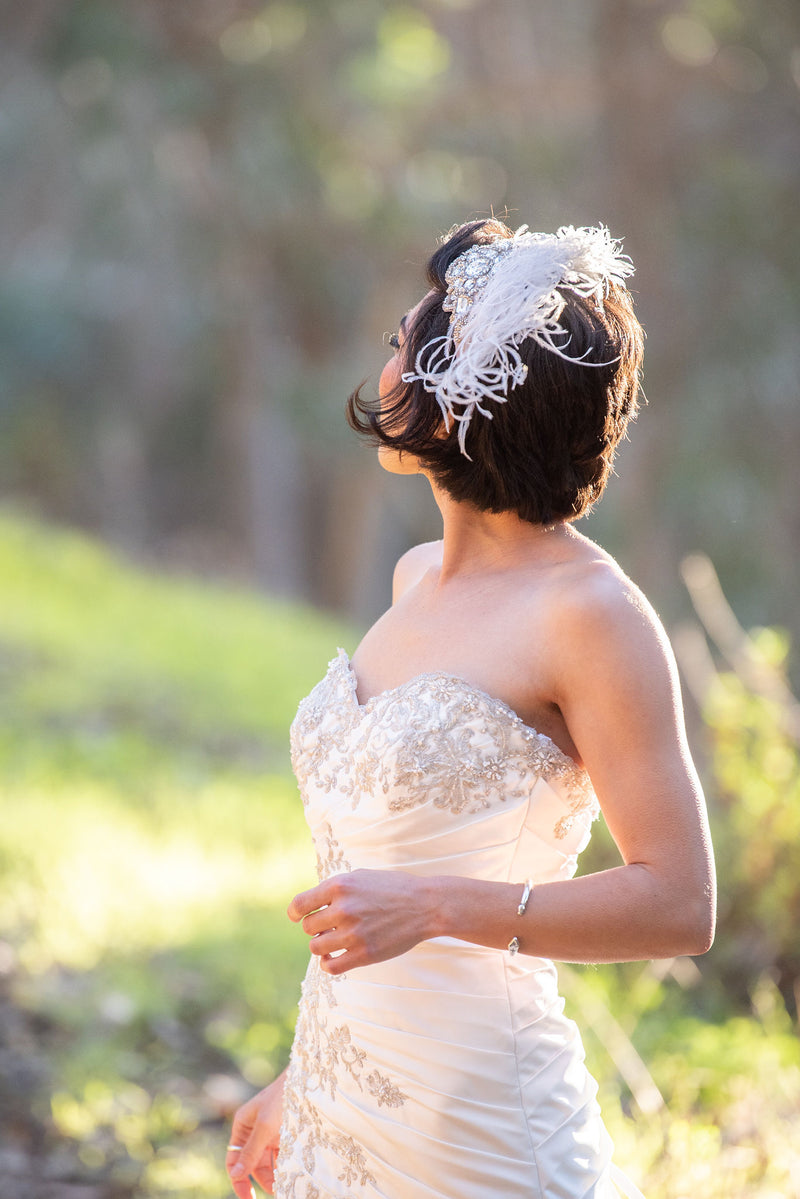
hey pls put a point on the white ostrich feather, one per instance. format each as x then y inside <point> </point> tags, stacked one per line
<point>501,294</point>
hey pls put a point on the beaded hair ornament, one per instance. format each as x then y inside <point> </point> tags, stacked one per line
<point>499,295</point>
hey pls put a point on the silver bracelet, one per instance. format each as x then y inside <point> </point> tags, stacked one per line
<point>513,945</point>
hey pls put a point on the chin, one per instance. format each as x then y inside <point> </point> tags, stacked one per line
<point>396,462</point>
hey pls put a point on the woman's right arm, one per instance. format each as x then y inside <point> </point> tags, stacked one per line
<point>256,1127</point>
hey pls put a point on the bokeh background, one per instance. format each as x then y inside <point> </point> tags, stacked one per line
<point>211,213</point>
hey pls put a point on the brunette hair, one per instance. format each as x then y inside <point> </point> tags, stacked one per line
<point>548,452</point>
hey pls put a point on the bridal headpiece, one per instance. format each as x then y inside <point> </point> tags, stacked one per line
<point>498,295</point>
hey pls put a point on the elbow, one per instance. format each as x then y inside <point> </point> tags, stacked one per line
<point>698,927</point>
<point>706,939</point>
<point>700,941</point>
<point>687,903</point>
<point>685,917</point>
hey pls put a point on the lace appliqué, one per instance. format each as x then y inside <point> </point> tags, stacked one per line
<point>303,1119</point>
<point>330,857</point>
<point>323,1057</point>
<point>435,739</point>
<point>384,1090</point>
<point>330,1052</point>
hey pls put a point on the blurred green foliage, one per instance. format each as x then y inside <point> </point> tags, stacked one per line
<point>756,765</point>
<point>212,211</point>
<point>151,837</point>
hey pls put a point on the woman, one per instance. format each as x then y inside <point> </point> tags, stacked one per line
<point>519,683</point>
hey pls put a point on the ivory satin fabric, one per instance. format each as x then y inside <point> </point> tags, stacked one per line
<point>449,1072</point>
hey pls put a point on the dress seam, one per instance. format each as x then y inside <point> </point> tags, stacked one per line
<point>522,1105</point>
<point>504,962</point>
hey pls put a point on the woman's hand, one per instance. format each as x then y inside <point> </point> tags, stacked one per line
<point>371,915</point>
<point>256,1128</point>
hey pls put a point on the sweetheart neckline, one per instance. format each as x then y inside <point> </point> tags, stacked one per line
<point>430,675</point>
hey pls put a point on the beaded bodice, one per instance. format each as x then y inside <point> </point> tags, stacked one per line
<point>430,757</point>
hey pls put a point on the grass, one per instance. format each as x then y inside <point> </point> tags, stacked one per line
<point>151,837</point>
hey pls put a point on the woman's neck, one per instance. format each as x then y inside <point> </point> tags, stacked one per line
<point>476,542</point>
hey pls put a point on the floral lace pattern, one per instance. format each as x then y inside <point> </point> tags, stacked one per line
<point>435,739</point>
<point>330,856</point>
<point>324,1058</point>
<point>294,1183</point>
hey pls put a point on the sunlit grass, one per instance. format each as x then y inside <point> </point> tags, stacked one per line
<point>84,635</point>
<point>87,876</point>
<point>150,839</point>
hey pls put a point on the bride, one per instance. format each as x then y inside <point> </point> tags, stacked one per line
<point>519,684</point>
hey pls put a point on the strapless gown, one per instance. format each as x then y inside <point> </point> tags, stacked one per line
<point>449,1072</point>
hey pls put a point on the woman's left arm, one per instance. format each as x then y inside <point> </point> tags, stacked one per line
<point>617,687</point>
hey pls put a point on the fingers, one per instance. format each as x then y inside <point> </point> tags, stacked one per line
<point>242,1187</point>
<point>309,901</point>
<point>320,922</point>
<point>265,1176</point>
<point>334,888</point>
<point>335,928</point>
<point>256,1157</point>
<point>233,1156</point>
<point>240,1166</point>
<point>328,943</point>
<point>240,1183</point>
<point>342,962</point>
<point>332,917</point>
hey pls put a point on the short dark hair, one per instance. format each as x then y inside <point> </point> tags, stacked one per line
<point>548,452</point>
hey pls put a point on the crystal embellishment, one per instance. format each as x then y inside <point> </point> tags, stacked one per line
<point>466,279</point>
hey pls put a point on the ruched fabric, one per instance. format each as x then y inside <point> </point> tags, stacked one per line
<point>451,1071</point>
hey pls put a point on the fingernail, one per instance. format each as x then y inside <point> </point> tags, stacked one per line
<point>238,1172</point>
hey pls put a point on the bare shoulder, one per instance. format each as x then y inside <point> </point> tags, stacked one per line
<point>593,592</point>
<point>604,628</point>
<point>413,565</point>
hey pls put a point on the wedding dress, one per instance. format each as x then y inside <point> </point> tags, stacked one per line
<point>449,1072</point>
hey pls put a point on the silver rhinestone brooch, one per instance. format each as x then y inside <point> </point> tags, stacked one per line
<point>466,279</point>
